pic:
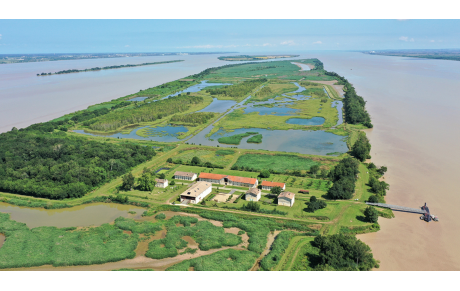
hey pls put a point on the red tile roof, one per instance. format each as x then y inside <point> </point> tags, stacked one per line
<point>272,184</point>
<point>231,178</point>
<point>211,176</point>
<point>242,179</point>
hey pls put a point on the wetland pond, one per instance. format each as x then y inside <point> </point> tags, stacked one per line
<point>166,133</point>
<point>300,141</point>
<point>306,121</point>
<point>83,215</point>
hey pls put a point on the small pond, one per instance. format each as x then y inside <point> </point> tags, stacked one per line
<point>275,110</point>
<point>305,121</point>
<point>218,106</point>
<point>339,106</point>
<point>196,88</point>
<point>138,99</point>
<point>83,215</point>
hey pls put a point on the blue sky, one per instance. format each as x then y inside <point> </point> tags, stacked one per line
<point>245,36</point>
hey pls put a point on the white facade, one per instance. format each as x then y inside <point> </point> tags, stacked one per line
<point>286,199</point>
<point>185,176</point>
<point>253,194</point>
<point>161,183</point>
<point>197,192</point>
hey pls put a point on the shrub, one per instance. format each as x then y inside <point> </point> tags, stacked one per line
<point>160,216</point>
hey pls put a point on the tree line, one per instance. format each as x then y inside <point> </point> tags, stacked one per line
<point>193,118</point>
<point>146,112</point>
<point>344,176</point>
<point>237,90</point>
<point>57,166</point>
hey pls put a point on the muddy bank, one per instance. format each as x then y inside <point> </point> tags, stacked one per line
<point>94,214</point>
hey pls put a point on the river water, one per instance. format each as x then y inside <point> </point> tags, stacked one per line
<point>414,106</point>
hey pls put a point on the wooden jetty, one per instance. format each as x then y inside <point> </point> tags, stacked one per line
<point>400,208</point>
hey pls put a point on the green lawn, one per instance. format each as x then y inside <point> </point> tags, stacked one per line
<point>206,155</point>
<point>277,163</point>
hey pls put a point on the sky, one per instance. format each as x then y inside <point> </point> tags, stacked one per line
<point>244,36</point>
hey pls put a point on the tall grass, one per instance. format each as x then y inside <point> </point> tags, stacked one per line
<point>226,260</point>
<point>278,248</point>
<point>26,247</point>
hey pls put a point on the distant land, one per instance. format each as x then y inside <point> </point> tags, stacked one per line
<point>255,57</point>
<point>106,68</point>
<point>442,54</point>
<point>27,58</point>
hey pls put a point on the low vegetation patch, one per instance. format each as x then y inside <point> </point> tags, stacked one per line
<point>235,139</point>
<point>277,250</point>
<point>275,163</point>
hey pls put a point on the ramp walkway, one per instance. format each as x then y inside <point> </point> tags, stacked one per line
<point>396,207</point>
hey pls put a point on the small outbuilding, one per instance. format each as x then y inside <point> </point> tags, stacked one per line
<point>196,193</point>
<point>253,194</point>
<point>161,183</point>
<point>188,176</point>
<point>286,199</point>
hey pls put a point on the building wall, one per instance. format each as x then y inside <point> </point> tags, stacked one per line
<point>200,197</point>
<point>285,201</point>
<point>213,181</point>
<point>185,178</point>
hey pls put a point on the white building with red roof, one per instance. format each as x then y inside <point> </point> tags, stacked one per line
<point>267,185</point>
<point>228,180</point>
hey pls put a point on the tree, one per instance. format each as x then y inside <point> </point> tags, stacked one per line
<point>276,190</point>
<point>382,170</point>
<point>346,167</point>
<point>373,199</point>
<point>146,182</point>
<point>313,199</point>
<point>314,169</point>
<point>264,174</point>
<point>169,160</point>
<point>172,183</point>
<point>252,206</point>
<point>361,148</point>
<point>128,182</point>
<point>342,189</point>
<point>162,176</point>
<point>371,214</point>
<point>195,161</point>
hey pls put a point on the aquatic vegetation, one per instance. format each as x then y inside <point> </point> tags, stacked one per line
<point>277,250</point>
<point>235,139</point>
<point>255,139</point>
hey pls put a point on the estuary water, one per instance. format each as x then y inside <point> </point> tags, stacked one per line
<point>415,109</point>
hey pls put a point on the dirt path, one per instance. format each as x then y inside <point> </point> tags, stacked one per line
<point>235,158</point>
<point>2,239</point>
<point>337,88</point>
<point>270,240</point>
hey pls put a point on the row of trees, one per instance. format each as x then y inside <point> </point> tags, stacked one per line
<point>196,161</point>
<point>344,176</point>
<point>145,112</point>
<point>361,148</point>
<point>237,90</point>
<point>354,105</point>
<point>193,118</point>
<point>57,166</point>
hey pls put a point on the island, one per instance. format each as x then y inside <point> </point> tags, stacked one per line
<point>254,57</point>
<point>106,68</point>
<point>439,54</point>
<point>253,166</point>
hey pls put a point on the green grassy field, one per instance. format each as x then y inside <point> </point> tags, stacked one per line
<point>277,163</point>
<point>296,255</point>
<point>216,157</point>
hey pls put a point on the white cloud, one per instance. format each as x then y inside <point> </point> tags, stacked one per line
<point>406,38</point>
<point>127,45</point>
<point>432,40</point>
<point>0,36</point>
<point>266,44</point>
<point>288,42</point>
<point>318,42</point>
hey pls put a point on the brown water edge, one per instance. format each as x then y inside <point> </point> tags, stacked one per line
<point>415,111</point>
<point>94,214</point>
<point>141,261</point>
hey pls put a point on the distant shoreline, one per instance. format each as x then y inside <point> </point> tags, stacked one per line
<point>105,68</point>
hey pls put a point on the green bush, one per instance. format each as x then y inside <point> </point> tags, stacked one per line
<point>160,216</point>
<point>278,248</point>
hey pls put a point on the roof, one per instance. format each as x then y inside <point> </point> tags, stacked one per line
<point>161,181</point>
<point>231,178</point>
<point>242,179</point>
<point>196,189</point>
<point>272,184</point>
<point>253,191</point>
<point>186,174</point>
<point>287,194</point>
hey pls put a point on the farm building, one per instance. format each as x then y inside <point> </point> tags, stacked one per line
<point>253,194</point>
<point>267,185</point>
<point>161,183</point>
<point>228,180</point>
<point>185,176</point>
<point>196,192</point>
<point>304,191</point>
<point>286,199</point>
